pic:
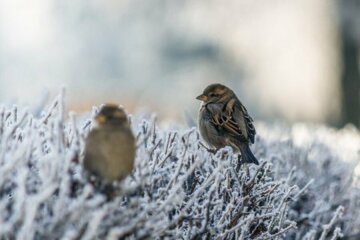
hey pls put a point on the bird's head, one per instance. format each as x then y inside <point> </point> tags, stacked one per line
<point>216,93</point>
<point>111,115</point>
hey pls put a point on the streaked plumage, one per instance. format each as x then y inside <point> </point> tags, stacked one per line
<point>224,121</point>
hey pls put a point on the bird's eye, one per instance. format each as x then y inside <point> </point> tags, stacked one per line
<point>213,95</point>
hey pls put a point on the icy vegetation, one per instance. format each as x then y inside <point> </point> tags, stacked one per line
<point>306,186</point>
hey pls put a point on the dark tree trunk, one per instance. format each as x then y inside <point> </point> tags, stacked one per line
<point>350,44</point>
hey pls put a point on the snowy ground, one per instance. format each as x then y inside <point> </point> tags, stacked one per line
<point>306,187</point>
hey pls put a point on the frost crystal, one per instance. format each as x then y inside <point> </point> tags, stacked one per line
<point>304,188</point>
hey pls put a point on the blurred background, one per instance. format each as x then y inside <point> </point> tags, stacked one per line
<point>289,60</point>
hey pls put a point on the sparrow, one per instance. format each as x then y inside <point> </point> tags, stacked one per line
<point>110,146</point>
<point>224,121</point>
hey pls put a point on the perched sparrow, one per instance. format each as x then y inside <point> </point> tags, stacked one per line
<point>224,121</point>
<point>110,147</point>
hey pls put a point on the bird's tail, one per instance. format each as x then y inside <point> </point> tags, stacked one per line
<point>247,156</point>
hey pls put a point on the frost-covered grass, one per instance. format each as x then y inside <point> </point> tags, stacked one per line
<point>306,186</point>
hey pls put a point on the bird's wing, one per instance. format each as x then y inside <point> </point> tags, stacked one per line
<point>93,155</point>
<point>241,111</point>
<point>223,119</point>
<point>234,119</point>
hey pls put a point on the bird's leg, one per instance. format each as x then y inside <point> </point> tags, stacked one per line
<point>109,191</point>
<point>247,172</point>
<point>94,181</point>
<point>246,166</point>
<point>213,151</point>
<point>239,163</point>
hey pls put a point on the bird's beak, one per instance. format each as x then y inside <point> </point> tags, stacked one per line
<point>202,97</point>
<point>100,119</point>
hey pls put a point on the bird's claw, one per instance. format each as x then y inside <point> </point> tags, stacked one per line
<point>213,151</point>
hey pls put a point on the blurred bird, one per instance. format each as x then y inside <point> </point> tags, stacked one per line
<point>110,147</point>
<point>224,121</point>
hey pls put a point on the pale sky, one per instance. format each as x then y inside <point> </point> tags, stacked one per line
<point>280,57</point>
